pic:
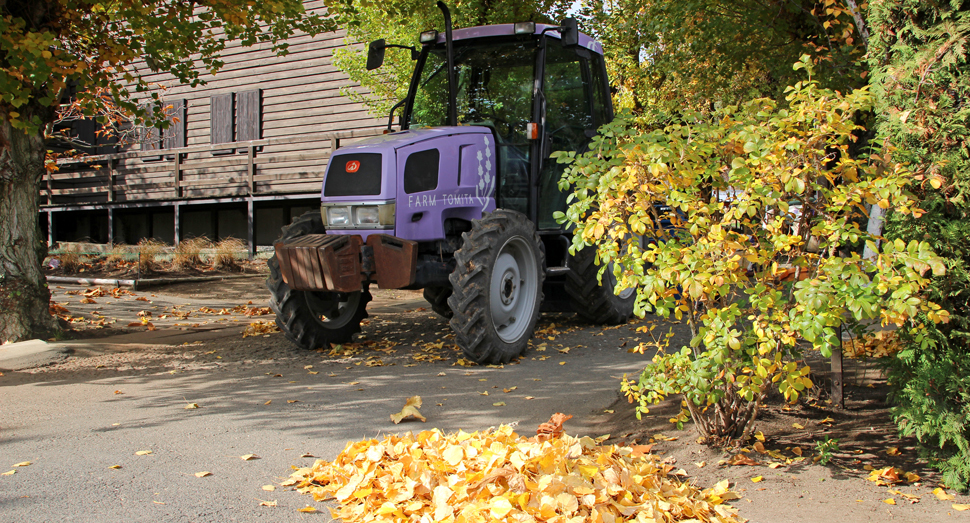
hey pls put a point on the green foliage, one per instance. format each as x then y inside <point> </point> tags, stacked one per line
<point>701,53</point>
<point>825,448</point>
<point>400,22</point>
<point>46,44</point>
<point>920,68</point>
<point>751,192</point>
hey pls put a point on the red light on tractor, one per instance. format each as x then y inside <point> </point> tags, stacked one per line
<point>532,130</point>
<point>353,166</point>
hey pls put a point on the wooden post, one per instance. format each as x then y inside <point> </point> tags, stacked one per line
<point>50,226</point>
<point>838,398</point>
<point>112,163</point>
<point>178,177</point>
<point>251,171</point>
<point>176,238</point>
<point>251,226</point>
<point>111,227</point>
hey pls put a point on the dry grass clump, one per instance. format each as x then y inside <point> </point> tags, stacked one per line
<point>188,252</point>
<point>70,258</point>
<point>118,255</point>
<point>225,258</point>
<point>149,250</point>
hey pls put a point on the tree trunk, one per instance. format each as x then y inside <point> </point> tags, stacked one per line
<point>24,296</point>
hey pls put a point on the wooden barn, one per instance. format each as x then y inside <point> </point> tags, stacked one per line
<point>247,154</point>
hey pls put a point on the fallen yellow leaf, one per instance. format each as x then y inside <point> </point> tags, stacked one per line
<point>759,436</point>
<point>115,467</point>
<point>292,401</point>
<point>483,393</point>
<point>942,495</point>
<point>960,506</point>
<point>530,397</point>
<point>889,501</point>
<point>203,474</point>
<point>757,479</point>
<point>499,404</point>
<point>410,410</point>
<point>893,451</point>
<point>192,406</point>
<point>9,473</point>
<point>608,411</point>
<point>774,465</point>
<point>308,509</point>
<point>267,503</point>
<point>796,451</point>
<point>509,390</point>
<point>269,488</point>
<point>143,452</point>
<point>23,464</point>
<point>827,420</point>
<point>248,457</point>
<point>268,402</point>
<point>798,426</point>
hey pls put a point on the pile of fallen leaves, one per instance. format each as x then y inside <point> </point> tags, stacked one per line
<point>499,475</point>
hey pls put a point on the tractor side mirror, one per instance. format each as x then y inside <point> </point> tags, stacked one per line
<point>375,54</point>
<point>569,31</point>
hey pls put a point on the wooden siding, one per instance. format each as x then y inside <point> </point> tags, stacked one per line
<point>282,115</point>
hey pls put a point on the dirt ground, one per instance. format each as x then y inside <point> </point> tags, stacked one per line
<point>778,479</point>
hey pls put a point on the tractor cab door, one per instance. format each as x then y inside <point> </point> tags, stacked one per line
<point>576,102</point>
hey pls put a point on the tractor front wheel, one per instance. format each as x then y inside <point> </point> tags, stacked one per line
<point>594,302</point>
<point>497,287</point>
<point>313,319</point>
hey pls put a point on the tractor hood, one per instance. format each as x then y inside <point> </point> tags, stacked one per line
<point>430,175</point>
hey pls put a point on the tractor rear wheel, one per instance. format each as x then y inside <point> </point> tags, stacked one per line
<point>497,287</point>
<point>313,319</point>
<point>438,298</point>
<point>594,302</point>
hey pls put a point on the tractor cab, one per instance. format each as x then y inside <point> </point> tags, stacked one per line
<point>537,92</point>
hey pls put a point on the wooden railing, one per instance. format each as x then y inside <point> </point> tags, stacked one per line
<point>253,168</point>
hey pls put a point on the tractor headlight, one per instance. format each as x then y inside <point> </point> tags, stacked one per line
<point>338,216</point>
<point>363,215</point>
<point>366,215</point>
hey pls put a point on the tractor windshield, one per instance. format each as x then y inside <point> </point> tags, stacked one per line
<point>494,87</point>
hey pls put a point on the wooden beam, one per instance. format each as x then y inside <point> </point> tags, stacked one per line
<point>251,229</point>
<point>838,377</point>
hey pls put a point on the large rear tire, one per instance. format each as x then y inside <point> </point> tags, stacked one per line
<point>497,287</point>
<point>313,320</point>
<point>594,302</point>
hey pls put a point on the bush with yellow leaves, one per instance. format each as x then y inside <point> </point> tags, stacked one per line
<point>496,475</point>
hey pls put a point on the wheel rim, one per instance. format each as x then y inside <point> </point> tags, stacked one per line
<point>512,289</point>
<point>333,310</point>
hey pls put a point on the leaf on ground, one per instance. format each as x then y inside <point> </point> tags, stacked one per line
<point>553,428</point>
<point>192,406</point>
<point>742,459</point>
<point>116,467</point>
<point>269,488</point>
<point>942,495</point>
<point>483,393</point>
<point>23,464</point>
<point>248,457</point>
<point>498,404</point>
<point>889,501</point>
<point>827,420</point>
<point>118,392</point>
<point>267,503</point>
<point>203,474</point>
<point>760,447</point>
<point>307,455</point>
<point>143,452</point>
<point>292,401</point>
<point>893,451</point>
<point>508,390</point>
<point>268,402</point>
<point>960,506</point>
<point>308,510</point>
<point>530,397</point>
<point>608,411</point>
<point>9,473</point>
<point>774,465</point>
<point>464,363</point>
<point>757,479</point>
<point>759,436</point>
<point>796,451</point>
<point>410,411</point>
<point>798,426</point>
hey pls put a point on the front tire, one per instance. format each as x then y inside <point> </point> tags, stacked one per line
<point>497,287</point>
<point>313,320</point>
<point>594,302</point>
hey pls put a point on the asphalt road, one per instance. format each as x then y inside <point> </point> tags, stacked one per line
<point>75,420</point>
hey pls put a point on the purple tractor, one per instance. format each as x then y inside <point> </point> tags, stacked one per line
<point>460,202</point>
